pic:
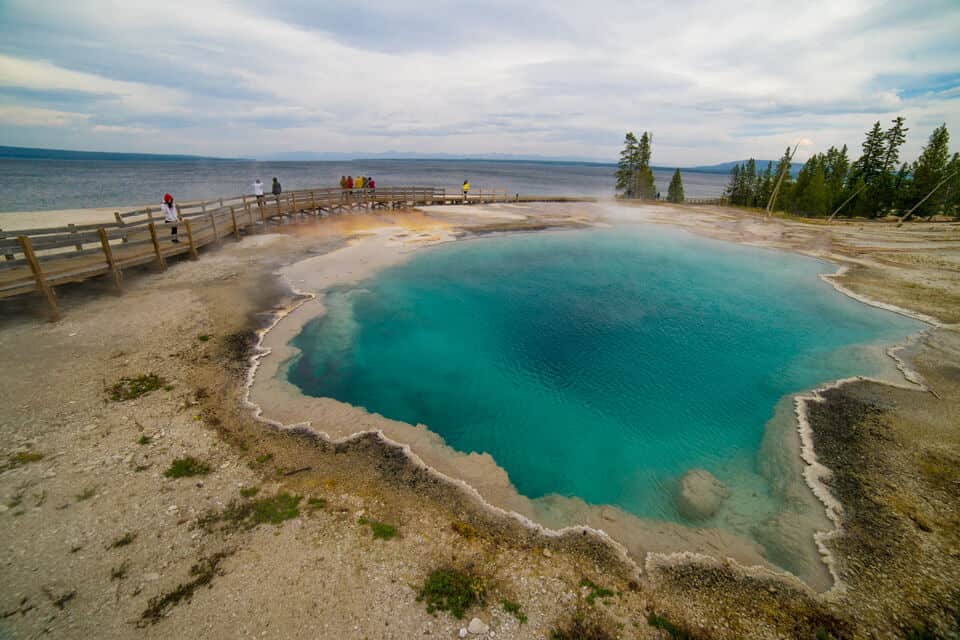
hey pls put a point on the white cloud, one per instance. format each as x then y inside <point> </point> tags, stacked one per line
<point>714,81</point>
<point>19,116</point>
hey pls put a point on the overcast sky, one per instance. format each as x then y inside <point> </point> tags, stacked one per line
<point>715,81</point>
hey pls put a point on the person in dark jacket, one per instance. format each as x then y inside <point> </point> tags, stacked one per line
<point>276,187</point>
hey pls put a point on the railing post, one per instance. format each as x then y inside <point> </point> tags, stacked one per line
<point>156,247</point>
<point>108,252</point>
<point>236,229</point>
<point>279,212</point>
<point>73,231</point>
<point>213,225</point>
<point>38,275</point>
<point>253,223</point>
<point>193,247</point>
<point>293,203</point>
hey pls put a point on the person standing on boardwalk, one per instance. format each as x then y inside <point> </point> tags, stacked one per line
<point>371,184</point>
<point>258,191</point>
<point>466,189</point>
<point>276,187</point>
<point>169,211</point>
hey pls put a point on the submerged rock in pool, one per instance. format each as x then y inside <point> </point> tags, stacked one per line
<point>701,494</point>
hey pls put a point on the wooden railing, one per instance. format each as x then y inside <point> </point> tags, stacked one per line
<point>39,259</point>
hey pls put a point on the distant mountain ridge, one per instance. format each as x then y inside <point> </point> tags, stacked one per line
<point>32,153</point>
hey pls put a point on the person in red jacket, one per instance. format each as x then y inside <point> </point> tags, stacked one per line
<point>371,183</point>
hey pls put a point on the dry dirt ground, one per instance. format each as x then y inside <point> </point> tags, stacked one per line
<point>97,541</point>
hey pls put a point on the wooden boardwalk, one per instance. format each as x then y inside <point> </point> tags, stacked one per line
<point>37,260</point>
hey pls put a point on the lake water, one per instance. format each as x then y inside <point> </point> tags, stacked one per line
<point>601,364</point>
<point>47,184</point>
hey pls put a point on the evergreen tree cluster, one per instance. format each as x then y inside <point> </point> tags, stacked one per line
<point>874,185</point>
<point>634,176</point>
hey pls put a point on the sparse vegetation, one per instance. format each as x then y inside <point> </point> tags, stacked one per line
<point>465,529</point>
<point>249,492</point>
<point>514,609</point>
<point>239,346</point>
<point>130,388</point>
<point>144,440</point>
<point>453,591</point>
<point>248,514</point>
<point>260,460</point>
<point>580,627</point>
<point>673,630</point>
<point>203,337</point>
<point>123,540</point>
<point>203,573</point>
<point>381,530</point>
<point>119,573</point>
<point>186,467</point>
<point>21,458</point>
<point>86,494</point>
<point>316,504</point>
<point>596,591</point>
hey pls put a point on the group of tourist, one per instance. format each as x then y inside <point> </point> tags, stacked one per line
<point>350,183</point>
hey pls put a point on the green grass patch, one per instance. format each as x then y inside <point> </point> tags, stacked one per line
<point>249,492</point>
<point>144,440</point>
<point>315,504</point>
<point>453,591</point>
<point>514,609</point>
<point>381,530</point>
<point>86,494</point>
<point>596,591</point>
<point>130,388</point>
<point>21,458</point>
<point>123,540</point>
<point>260,460</point>
<point>203,573</point>
<point>249,513</point>
<point>186,467</point>
<point>203,337</point>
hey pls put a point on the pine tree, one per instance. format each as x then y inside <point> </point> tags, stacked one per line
<point>732,189</point>
<point>628,164</point>
<point>646,188</point>
<point>929,169</point>
<point>835,171</point>
<point>766,185</point>
<point>782,184</point>
<point>675,191</point>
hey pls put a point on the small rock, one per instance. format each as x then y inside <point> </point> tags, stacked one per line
<point>547,554</point>
<point>463,632</point>
<point>478,627</point>
<point>50,474</point>
<point>772,589</point>
<point>700,495</point>
<point>151,577</point>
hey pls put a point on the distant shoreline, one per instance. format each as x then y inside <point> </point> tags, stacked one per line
<point>36,153</point>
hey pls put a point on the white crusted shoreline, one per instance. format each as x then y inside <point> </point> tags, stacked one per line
<point>814,472</point>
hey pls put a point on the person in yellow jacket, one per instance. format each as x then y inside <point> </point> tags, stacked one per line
<point>361,182</point>
<point>466,189</point>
